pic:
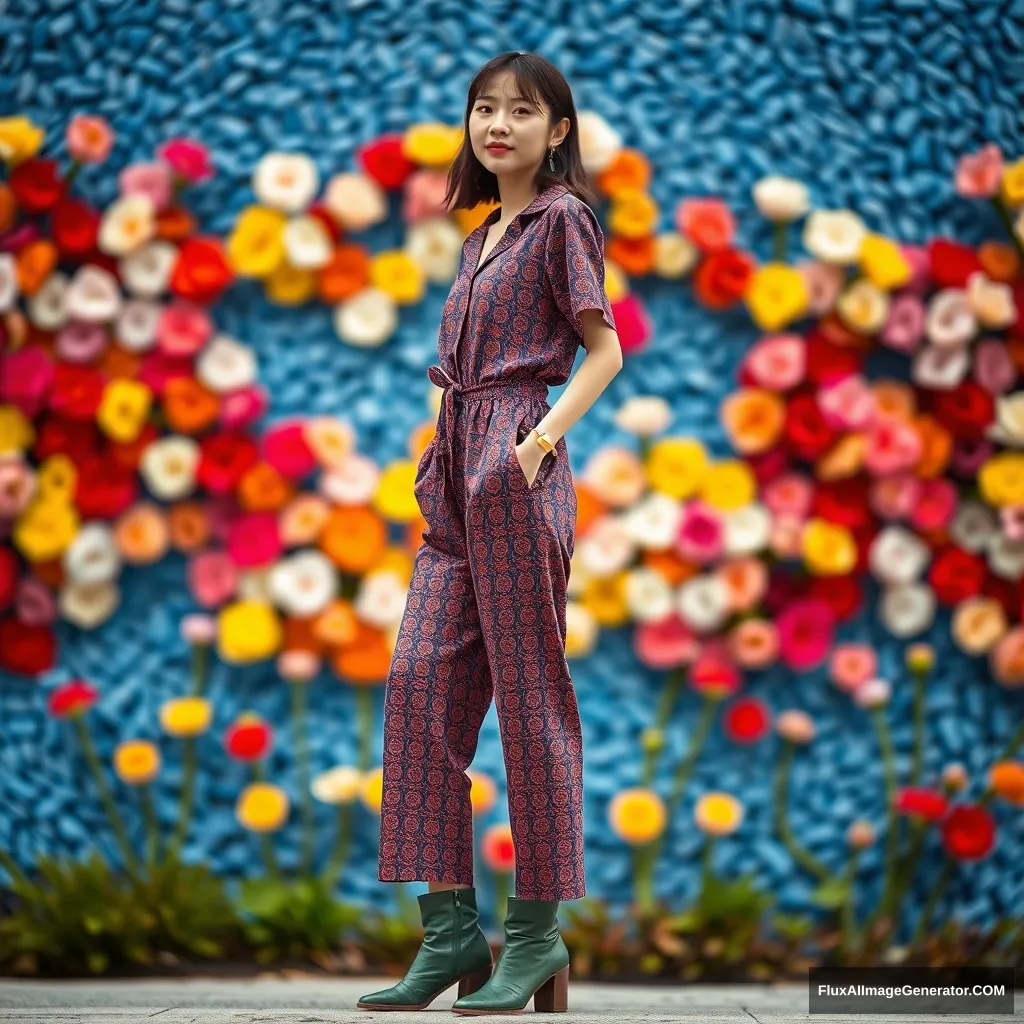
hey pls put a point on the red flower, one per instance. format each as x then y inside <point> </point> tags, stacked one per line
<point>223,460</point>
<point>385,162</point>
<point>286,449</point>
<point>77,391</point>
<point>25,379</point>
<point>746,720</point>
<point>129,453</point>
<point>921,802</point>
<point>1009,594</point>
<point>104,489</point>
<point>767,466</point>
<point>77,440</point>
<point>713,674</point>
<point>26,650</point>
<point>72,699</point>
<point>75,226</point>
<point>844,502</point>
<point>843,594</point>
<point>37,186</point>
<point>952,263</point>
<point>827,363</point>
<point>969,832</point>
<point>722,278</point>
<point>956,575</point>
<point>965,411</point>
<point>202,271</point>
<point>322,214</point>
<point>807,435</point>
<point>9,573</point>
<point>158,369</point>
<point>248,739</point>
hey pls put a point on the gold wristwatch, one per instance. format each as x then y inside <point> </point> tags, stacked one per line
<point>544,440</point>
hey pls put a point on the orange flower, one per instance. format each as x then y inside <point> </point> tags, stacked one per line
<point>629,169</point>
<point>366,658</point>
<point>302,519</point>
<point>263,489</point>
<point>190,407</point>
<point>936,446</point>
<point>6,207</point>
<point>174,224</point>
<point>301,635</point>
<point>844,460</point>
<point>142,534</point>
<point>353,538</point>
<point>753,419</point>
<point>708,223</point>
<point>835,332</point>
<point>347,272</point>
<point>673,569</point>
<point>1006,780</point>
<point>1015,346</point>
<point>589,508</point>
<point>34,264</point>
<point>1000,262</point>
<point>50,573</point>
<point>336,625</point>
<point>635,255</point>
<point>745,581</point>
<point>189,525</point>
<point>894,399</point>
<point>117,364</point>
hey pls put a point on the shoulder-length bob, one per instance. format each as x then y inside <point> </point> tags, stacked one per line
<point>470,183</point>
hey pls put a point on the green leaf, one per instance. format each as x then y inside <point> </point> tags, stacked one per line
<point>831,894</point>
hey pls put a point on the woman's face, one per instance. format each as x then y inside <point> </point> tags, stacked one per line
<point>500,115</point>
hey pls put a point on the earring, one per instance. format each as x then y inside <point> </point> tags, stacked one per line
<point>551,158</point>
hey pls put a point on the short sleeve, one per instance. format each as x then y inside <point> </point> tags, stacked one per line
<point>575,263</point>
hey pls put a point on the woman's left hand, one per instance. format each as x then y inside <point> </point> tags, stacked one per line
<point>530,455</point>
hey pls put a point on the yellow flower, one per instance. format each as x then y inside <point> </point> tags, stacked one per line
<point>45,529</point>
<point>482,792</point>
<point>373,789</point>
<point>863,306</point>
<point>290,286</point>
<point>605,598</point>
<point>637,815</point>
<point>616,283</point>
<point>829,549</point>
<point>248,631</point>
<point>1013,183</point>
<point>262,807</point>
<point>186,716</point>
<point>57,479</point>
<point>633,213</point>
<point>256,245</point>
<point>20,139</point>
<point>920,658</point>
<point>1001,479</point>
<point>136,762</point>
<point>776,295</point>
<point>123,409</point>
<point>16,432</point>
<point>432,144</point>
<point>728,485</point>
<point>883,263</point>
<point>718,814</point>
<point>398,275</point>
<point>676,466</point>
<point>394,499</point>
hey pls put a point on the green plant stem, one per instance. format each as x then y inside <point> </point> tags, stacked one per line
<point>779,241</point>
<point>188,788</point>
<point>918,833</point>
<point>266,843</point>
<point>364,712</point>
<point>849,910</point>
<point>643,876</point>
<point>920,678</point>
<point>803,857</point>
<point>706,863</point>
<point>200,664</point>
<point>92,758</point>
<point>666,702</point>
<point>341,844</point>
<point>302,762</point>
<point>925,920</point>
<point>1004,216</point>
<point>892,837</point>
<point>152,828</point>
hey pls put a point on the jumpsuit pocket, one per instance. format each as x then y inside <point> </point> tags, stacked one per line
<point>543,470</point>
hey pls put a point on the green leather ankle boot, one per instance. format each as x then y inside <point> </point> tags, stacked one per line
<point>454,949</point>
<point>533,962</point>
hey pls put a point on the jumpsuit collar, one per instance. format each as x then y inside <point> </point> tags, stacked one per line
<point>541,201</point>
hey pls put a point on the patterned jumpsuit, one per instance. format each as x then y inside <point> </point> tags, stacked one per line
<point>485,612</point>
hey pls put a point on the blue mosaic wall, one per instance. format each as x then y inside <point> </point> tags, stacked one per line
<point>868,102</point>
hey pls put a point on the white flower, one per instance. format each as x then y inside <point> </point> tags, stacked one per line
<point>47,308</point>
<point>907,609</point>
<point>88,605</point>
<point>353,480</point>
<point>8,282</point>
<point>1006,557</point>
<point>92,557</point>
<point>285,181</point>
<point>599,141</point>
<point>834,236</point>
<point>135,329</point>
<point>875,693</point>
<point>128,224</point>
<point>747,529</point>
<point>649,596</point>
<point>780,198</point>
<point>168,467</point>
<point>863,306</point>
<point>1008,428</point>
<point>950,321</point>
<point>307,243</point>
<point>940,369</point>
<point>643,415</point>
<point>898,556</point>
<point>367,319</point>
<point>607,547</point>
<point>341,785</point>
<point>991,301</point>
<point>703,603</point>
<point>146,273</point>
<point>653,522</point>
<point>380,599</point>
<point>226,365</point>
<point>674,255</point>
<point>93,295</point>
<point>973,526</point>
<point>435,243</point>
<point>355,201</point>
<point>303,584</point>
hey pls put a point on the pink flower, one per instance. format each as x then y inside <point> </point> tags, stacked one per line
<point>285,447</point>
<point>189,160</point>
<point>777,362</point>
<point>713,674</point>
<point>805,633</point>
<point>183,329</point>
<point>920,260</point>
<point>754,643</point>
<point>848,404</point>
<point>199,629</point>
<point>790,494</point>
<point>632,323</point>
<point>151,180</point>
<point>850,665</point>
<point>894,497</point>
<point>978,175</point>
<point>667,643</point>
<point>795,727</point>
<point>34,603</point>
<point>935,505</point>
<point>823,283</point>
<point>254,540</point>
<point>22,235</point>
<point>904,327</point>
<point>17,486</point>
<point>701,533</point>
<point>89,139</point>
<point>746,580</point>
<point>79,342</point>
<point>242,408</point>
<point>892,447</point>
<point>969,455</point>
<point>424,195</point>
<point>786,537</point>
<point>298,666</point>
<point>25,379</point>
<point>994,369</point>
<point>1012,521</point>
<point>212,578</point>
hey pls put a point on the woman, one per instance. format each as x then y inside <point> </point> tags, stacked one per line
<point>485,613</point>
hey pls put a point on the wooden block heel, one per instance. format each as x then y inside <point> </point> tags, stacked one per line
<point>470,983</point>
<point>553,995</point>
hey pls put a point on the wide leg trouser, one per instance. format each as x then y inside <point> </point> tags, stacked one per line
<point>485,616</point>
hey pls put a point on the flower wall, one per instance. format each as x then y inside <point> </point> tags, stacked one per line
<point>796,620</point>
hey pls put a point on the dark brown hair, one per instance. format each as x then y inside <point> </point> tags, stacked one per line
<point>470,183</point>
